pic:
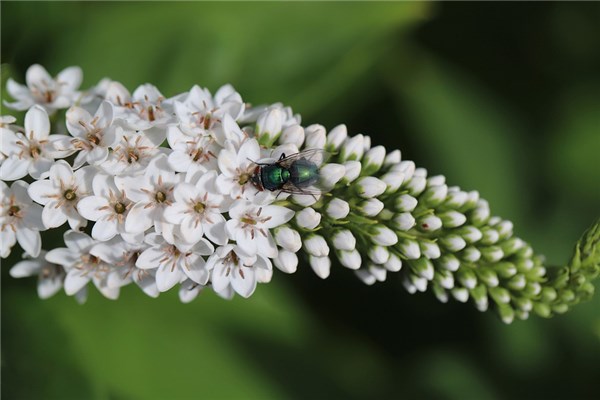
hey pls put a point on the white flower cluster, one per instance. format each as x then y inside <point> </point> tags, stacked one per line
<point>162,185</point>
<point>166,191</point>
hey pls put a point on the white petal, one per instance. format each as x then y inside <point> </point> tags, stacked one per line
<point>26,268</point>
<point>49,287</point>
<point>92,207</point>
<point>150,258</point>
<point>138,219</point>
<point>70,78</point>
<point>52,215</point>
<point>16,90</point>
<point>176,213</point>
<point>37,75</point>
<point>167,278</point>
<point>216,232</point>
<point>30,241</point>
<point>278,215</point>
<point>104,230</point>
<point>61,174</point>
<point>61,256</point>
<point>74,116</point>
<point>75,281</point>
<point>191,230</point>
<point>77,241</point>
<point>36,121</point>
<point>196,270</point>
<point>40,167</point>
<point>14,168</point>
<point>245,285</point>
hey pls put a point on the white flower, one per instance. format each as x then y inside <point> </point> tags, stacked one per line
<point>50,276</point>
<point>316,245</point>
<point>198,208</point>
<point>123,257</point>
<point>82,265</point>
<point>292,135</point>
<point>191,151</point>
<point>42,89</point>
<point>61,193</point>
<point>142,110</point>
<point>350,259</point>
<point>152,193</point>
<point>320,265</point>
<point>353,169</point>
<point>132,152</point>
<point>233,270</point>
<point>109,207</point>
<point>374,157</point>
<point>31,152</point>
<point>175,263</point>
<point>200,112</point>
<point>20,220</point>
<point>93,135</point>
<point>237,169</point>
<point>249,227</point>
<point>353,148</point>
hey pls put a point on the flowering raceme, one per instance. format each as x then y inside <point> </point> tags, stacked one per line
<point>164,192</point>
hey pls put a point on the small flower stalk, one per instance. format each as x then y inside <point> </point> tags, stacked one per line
<point>195,191</point>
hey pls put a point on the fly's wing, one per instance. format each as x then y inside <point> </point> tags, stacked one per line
<point>289,187</point>
<point>317,156</point>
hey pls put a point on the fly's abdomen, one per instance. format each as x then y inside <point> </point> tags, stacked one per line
<point>274,177</point>
<point>304,173</point>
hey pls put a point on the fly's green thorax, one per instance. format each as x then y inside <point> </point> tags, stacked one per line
<point>274,176</point>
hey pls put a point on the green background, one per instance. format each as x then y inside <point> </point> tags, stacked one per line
<point>503,98</point>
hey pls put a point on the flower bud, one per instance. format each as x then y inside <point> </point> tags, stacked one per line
<point>352,170</point>
<point>337,208</point>
<point>430,250</point>
<point>383,236</point>
<point>505,269</point>
<point>371,207</point>
<point>455,198</point>
<point>440,293</point>
<point>416,185</point>
<point>449,262</point>
<point>366,276</point>
<point>286,261</point>
<point>370,186</point>
<point>517,282</point>
<point>336,137</point>
<point>366,143</point>
<point>330,174</point>
<point>378,272</point>
<point>321,266</point>
<point>288,238</point>
<point>353,148</point>
<point>470,234</point>
<point>492,254</point>
<point>308,218</point>
<point>488,276</point>
<point>393,180</point>
<point>418,282</point>
<point>445,279</point>
<point>315,137</point>
<point>350,259</point>
<point>379,254</point>
<point>471,254</point>
<point>268,125</point>
<point>293,134</point>
<point>505,229</point>
<point>316,246</point>
<point>392,158</point>
<point>453,243</point>
<point>344,240</point>
<point>460,294</point>
<point>404,221</point>
<point>409,248</point>
<point>429,223</point>
<point>506,312</point>
<point>435,195</point>
<point>500,295</point>
<point>405,203</point>
<point>407,283</point>
<point>373,159</point>
<point>479,295</point>
<point>437,180</point>
<point>467,277</point>
<point>481,214</point>
<point>394,263</point>
<point>406,167</point>
<point>452,219</point>
<point>423,267</point>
